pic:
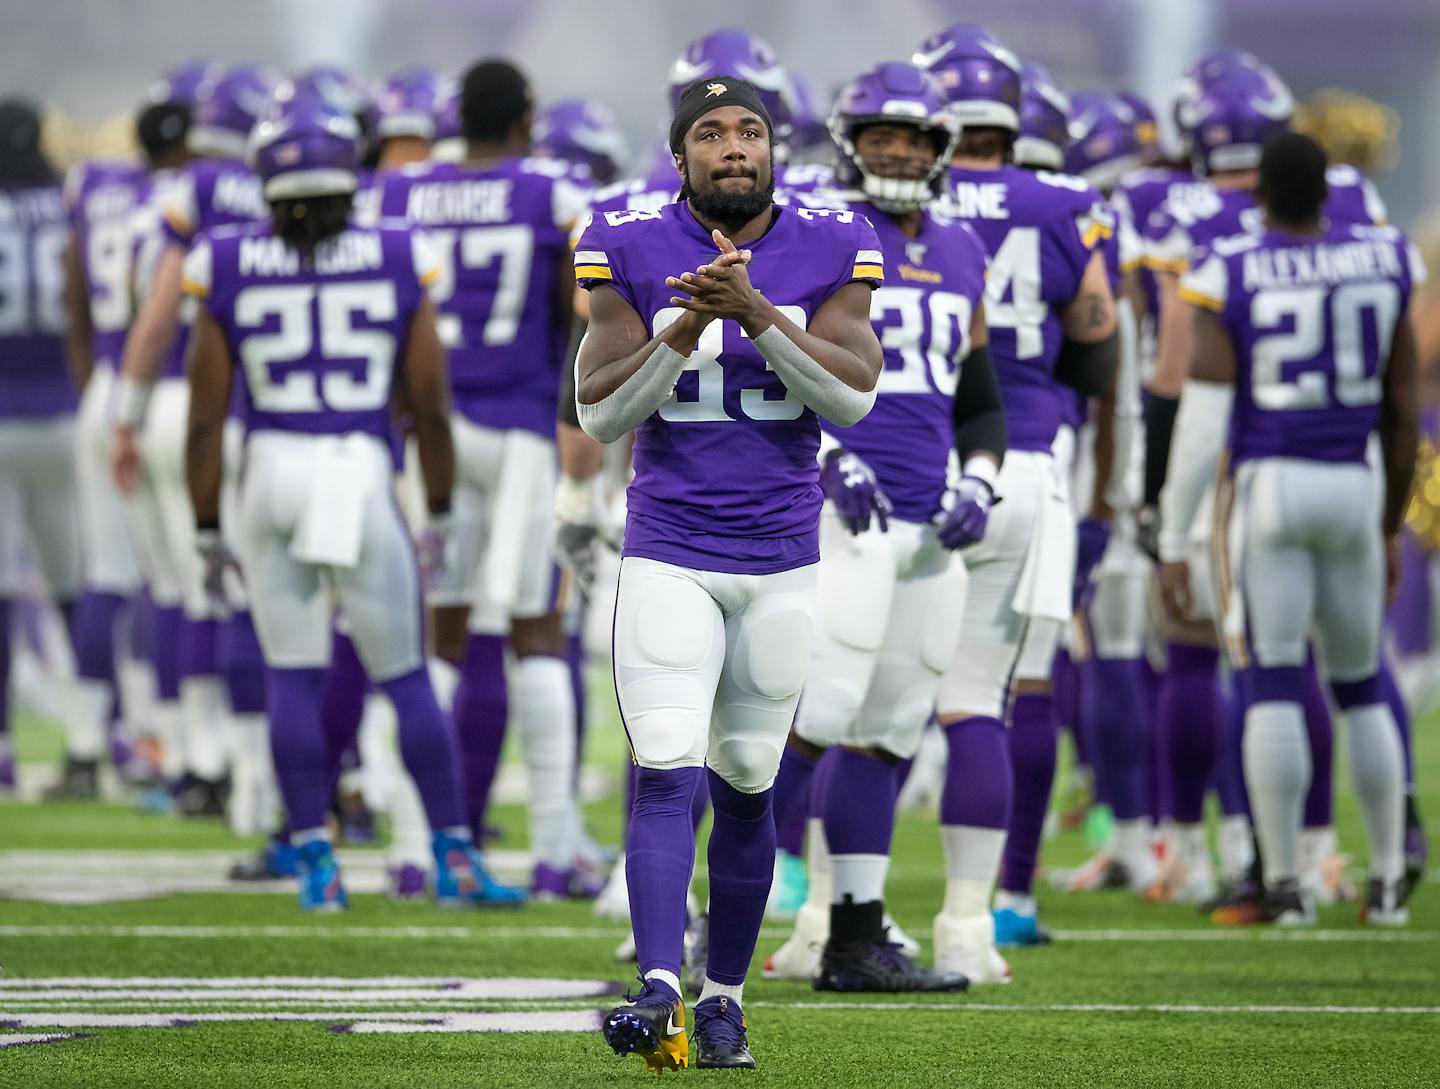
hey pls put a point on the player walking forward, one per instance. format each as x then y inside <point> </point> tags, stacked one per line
<point>1306,327</point>
<point>716,369</point>
<point>325,320</point>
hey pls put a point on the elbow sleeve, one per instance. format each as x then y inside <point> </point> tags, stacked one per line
<point>1159,424</point>
<point>1089,369</point>
<point>978,416</point>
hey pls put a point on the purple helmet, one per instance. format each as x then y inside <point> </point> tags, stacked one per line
<point>448,144</point>
<point>584,133</point>
<point>897,94</point>
<point>404,104</point>
<point>978,76</point>
<point>227,108</point>
<point>734,53</point>
<point>1044,121</point>
<point>333,84</point>
<point>1147,126</point>
<point>181,84</point>
<point>1105,140</point>
<point>807,114</point>
<point>309,147</point>
<point>1236,114</point>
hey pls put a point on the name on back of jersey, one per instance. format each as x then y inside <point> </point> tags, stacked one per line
<point>466,200</point>
<point>353,251</point>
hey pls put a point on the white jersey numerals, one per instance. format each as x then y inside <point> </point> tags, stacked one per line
<point>1352,307</point>
<point>292,307</point>
<point>709,404</point>
<point>31,281</point>
<point>933,369</point>
<point>107,266</point>
<point>1015,271</point>
<point>472,249</point>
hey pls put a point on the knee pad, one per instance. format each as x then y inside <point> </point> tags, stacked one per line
<point>896,723</point>
<point>854,589</point>
<point>827,707</point>
<point>748,762</point>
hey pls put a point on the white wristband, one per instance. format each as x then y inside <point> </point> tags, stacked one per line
<point>981,468</point>
<point>131,399</point>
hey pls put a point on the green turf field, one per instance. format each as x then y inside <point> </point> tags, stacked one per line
<point>408,996</point>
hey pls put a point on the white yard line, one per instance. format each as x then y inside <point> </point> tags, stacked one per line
<point>20,1039</point>
<point>1243,934</point>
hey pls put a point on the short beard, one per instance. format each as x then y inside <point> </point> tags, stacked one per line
<point>730,210</point>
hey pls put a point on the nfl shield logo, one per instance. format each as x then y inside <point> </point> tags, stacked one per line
<point>915,252</point>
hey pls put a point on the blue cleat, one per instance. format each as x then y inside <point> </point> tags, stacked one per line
<point>320,887</point>
<point>461,876</point>
<point>1014,929</point>
<point>792,886</point>
<point>276,859</point>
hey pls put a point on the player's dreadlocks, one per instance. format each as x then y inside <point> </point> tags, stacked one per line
<point>306,222</point>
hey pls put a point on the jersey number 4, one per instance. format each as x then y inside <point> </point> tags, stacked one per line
<point>303,311</point>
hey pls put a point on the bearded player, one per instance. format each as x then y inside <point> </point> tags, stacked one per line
<point>890,592</point>
<point>724,375</point>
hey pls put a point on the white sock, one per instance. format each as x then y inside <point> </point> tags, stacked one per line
<point>88,720</point>
<point>253,788</point>
<point>972,858</point>
<point>203,713</point>
<point>1377,771</point>
<point>1237,846</point>
<point>544,706</point>
<point>302,836</point>
<point>711,989</point>
<point>1018,902</point>
<point>1132,842</point>
<point>670,979</point>
<point>136,679</point>
<point>1189,841</point>
<point>409,830</point>
<point>860,877</point>
<point>1277,774</point>
<point>170,736</point>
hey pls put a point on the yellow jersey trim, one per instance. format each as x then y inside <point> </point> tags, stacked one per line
<point>593,272</point>
<point>1199,298</point>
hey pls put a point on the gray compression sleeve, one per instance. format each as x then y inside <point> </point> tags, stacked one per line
<point>820,390</point>
<point>639,396</point>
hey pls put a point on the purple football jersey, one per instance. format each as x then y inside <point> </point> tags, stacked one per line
<point>1138,195</point>
<point>933,284</point>
<point>498,231</point>
<point>1311,320</point>
<point>208,193</point>
<point>725,471</point>
<point>100,199</point>
<point>316,344</point>
<point>33,379</point>
<point>1041,230</point>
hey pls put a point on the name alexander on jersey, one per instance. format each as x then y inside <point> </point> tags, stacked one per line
<point>1322,264</point>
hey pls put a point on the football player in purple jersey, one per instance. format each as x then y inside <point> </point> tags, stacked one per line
<point>216,657</point>
<point>402,117</point>
<point>37,400</point>
<point>722,328</point>
<point>583,133</point>
<point>890,593</point>
<point>1231,103</point>
<point>1302,342</point>
<point>101,199</point>
<point>315,520</point>
<point>1112,714</point>
<point>501,223</point>
<point>1051,317</point>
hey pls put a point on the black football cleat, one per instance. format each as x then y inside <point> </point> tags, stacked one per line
<point>80,780</point>
<point>880,968</point>
<point>720,1042</point>
<point>651,1025</point>
<point>1285,905</point>
<point>697,952</point>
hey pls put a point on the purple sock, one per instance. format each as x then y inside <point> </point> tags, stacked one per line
<point>742,865</point>
<point>1396,700</point>
<point>165,625</point>
<point>1117,719</point>
<point>481,708</point>
<point>659,858</point>
<point>1229,759</point>
<point>792,799</point>
<point>94,636</point>
<point>820,782</point>
<point>1188,714</point>
<point>1032,762</point>
<point>199,640</point>
<point>429,749</point>
<point>903,768</point>
<point>243,665</point>
<point>342,705</point>
<point>7,633</point>
<point>1320,800</point>
<point>297,742</point>
<point>859,805</point>
<point>575,655</point>
<point>1410,618</point>
<point>978,779</point>
<point>699,802</point>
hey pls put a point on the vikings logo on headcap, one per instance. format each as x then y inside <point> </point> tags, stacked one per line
<point>715,90</point>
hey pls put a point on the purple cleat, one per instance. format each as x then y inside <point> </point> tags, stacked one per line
<point>406,882</point>
<point>577,883</point>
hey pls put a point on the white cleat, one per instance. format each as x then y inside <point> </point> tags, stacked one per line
<point>799,958</point>
<point>614,899</point>
<point>1385,904</point>
<point>966,944</point>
